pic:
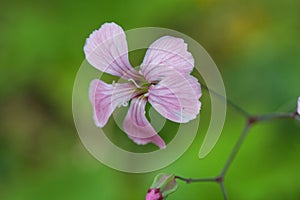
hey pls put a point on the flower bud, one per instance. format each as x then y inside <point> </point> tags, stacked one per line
<point>162,186</point>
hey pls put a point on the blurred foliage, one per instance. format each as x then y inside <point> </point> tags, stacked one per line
<point>254,43</point>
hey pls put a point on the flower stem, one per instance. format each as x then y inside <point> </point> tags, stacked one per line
<point>192,180</point>
<point>276,116</point>
<point>224,191</point>
<point>229,102</point>
<point>251,120</point>
<point>236,148</point>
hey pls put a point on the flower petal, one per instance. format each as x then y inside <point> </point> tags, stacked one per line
<point>166,52</point>
<point>106,97</point>
<point>138,127</point>
<point>176,98</point>
<point>154,194</point>
<point>298,107</point>
<point>106,49</point>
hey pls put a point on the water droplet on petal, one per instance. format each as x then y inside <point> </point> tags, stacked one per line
<point>125,104</point>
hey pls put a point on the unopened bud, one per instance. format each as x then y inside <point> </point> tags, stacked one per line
<point>162,186</point>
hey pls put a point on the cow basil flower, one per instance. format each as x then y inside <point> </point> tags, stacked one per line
<point>163,80</point>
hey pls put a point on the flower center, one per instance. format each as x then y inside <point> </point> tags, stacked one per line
<point>135,83</point>
<point>141,85</point>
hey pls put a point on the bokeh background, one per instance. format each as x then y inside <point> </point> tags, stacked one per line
<point>255,44</point>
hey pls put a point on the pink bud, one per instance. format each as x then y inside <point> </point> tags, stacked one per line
<point>154,194</point>
<point>162,186</point>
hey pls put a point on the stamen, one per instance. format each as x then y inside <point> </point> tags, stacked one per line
<point>136,85</point>
<point>125,104</point>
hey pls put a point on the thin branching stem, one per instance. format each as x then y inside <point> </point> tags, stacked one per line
<point>236,149</point>
<point>229,102</point>
<point>224,191</point>
<point>276,116</point>
<point>251,120</point>
<point>191,180</point>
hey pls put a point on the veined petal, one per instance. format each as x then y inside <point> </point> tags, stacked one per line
<point>138,127</point>
<point>106,49</point>
<point>195,85</point>
<point>298,106</point>
<point>166,52</point>
<point>176,98</point>
<point>106,97</point>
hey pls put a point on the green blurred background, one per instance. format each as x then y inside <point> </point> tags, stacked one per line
<point>255,45</point>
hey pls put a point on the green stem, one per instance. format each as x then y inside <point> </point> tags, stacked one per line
<point>193,180</point>
<point>251,120</point>
<point>229,102</point>
<point>236,148</point>
<point>224,191</point>
<point>275,116</point>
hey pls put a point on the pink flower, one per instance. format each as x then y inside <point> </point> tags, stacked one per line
<point>298,106</point>
<point>163,80</point>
